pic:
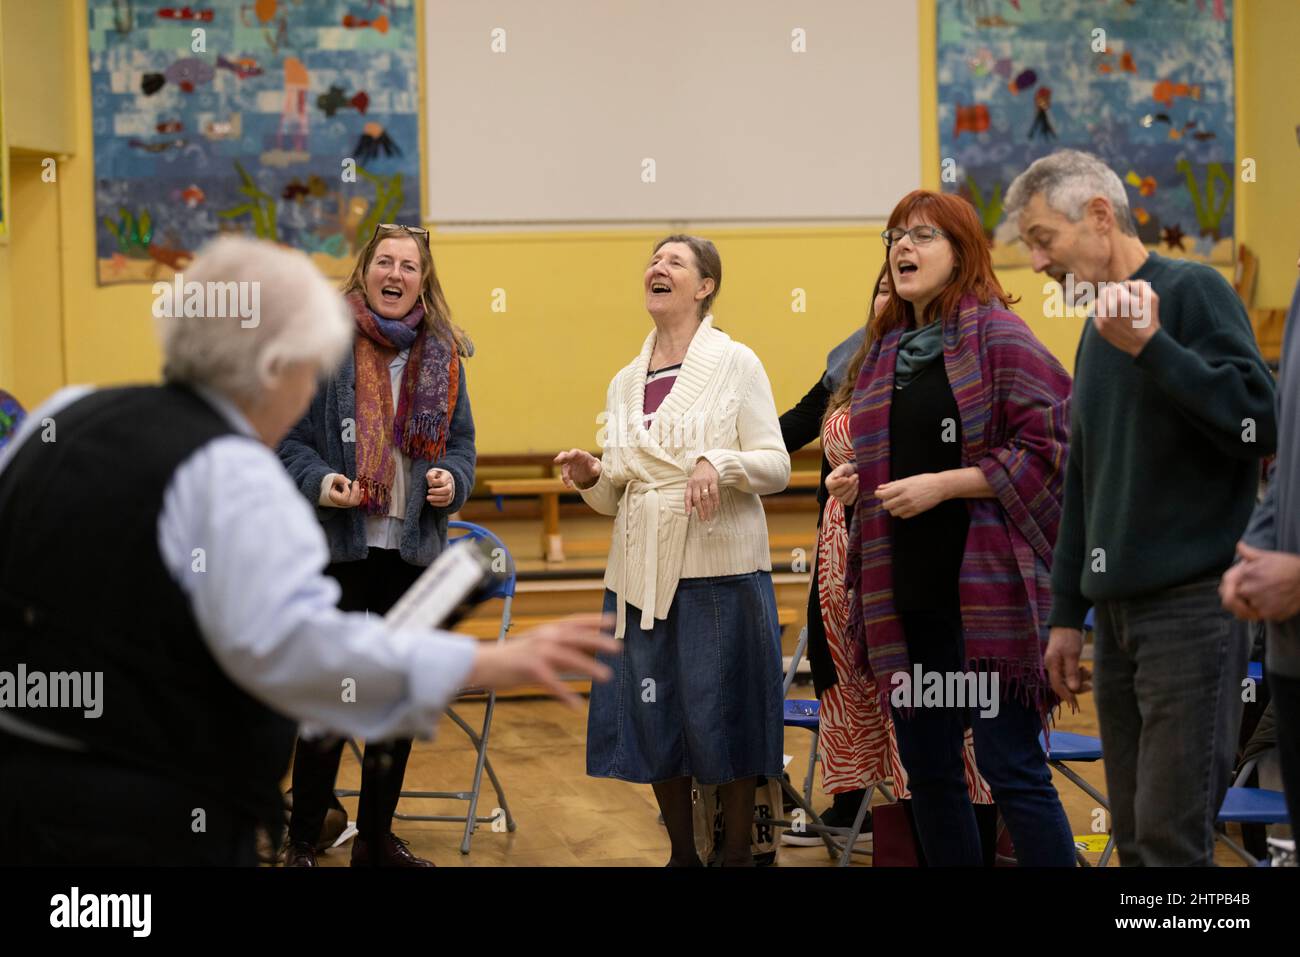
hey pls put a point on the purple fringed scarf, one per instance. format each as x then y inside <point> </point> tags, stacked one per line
<point>430,383</point>
<point>1013,397</point>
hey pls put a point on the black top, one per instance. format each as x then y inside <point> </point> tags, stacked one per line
<point>803,425</point>
<point>800,426</point>
<point>925,436</point>
<point>84,588</point>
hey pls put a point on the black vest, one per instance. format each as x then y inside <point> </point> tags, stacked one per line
<point>83,588</point>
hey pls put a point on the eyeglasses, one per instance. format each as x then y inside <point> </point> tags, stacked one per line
<point>920,235</point>
<point>413,230</point>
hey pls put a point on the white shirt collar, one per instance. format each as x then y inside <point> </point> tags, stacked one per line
<point>228,410</point>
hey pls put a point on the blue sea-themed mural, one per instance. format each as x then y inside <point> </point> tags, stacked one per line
<point>290,120</point>
<point>1147,85</point>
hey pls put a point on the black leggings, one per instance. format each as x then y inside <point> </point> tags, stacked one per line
<point>373,584</point>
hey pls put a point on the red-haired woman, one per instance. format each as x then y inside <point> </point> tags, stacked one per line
<point>856,743</point>
<point>959,424</point>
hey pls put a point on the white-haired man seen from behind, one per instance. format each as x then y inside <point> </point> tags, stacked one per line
<point>1171,413</point>
<point>155,548</point>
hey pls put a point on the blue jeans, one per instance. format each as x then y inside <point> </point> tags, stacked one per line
<point>1169,668</point>
<point>1007,754</point>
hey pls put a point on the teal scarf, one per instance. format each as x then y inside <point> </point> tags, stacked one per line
<point>917,348</point>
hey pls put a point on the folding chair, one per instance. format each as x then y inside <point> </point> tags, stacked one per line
<point>1247,805</point>
<point>505,590</point>
<point>1244,805</point>
<point>1068,748</point>
<point>806,714</point>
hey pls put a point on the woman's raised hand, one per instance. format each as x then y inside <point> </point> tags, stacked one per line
<point>578,468</point>
<point>343,493</point>
<point>842,483</point>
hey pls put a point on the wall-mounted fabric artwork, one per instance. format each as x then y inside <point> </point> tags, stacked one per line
<point>1147,85</point>
<point>290,120</point>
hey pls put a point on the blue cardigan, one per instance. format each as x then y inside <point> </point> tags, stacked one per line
<point>314,448</point>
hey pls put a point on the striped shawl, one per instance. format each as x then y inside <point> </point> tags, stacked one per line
<point>1013,398</point>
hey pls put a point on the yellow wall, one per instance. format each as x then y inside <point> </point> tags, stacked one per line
<point>37,298</point>
<point>1268,114</point>
<point>39,79</point>
<point>6,323</point>
<point>37,87</point>
<point>573,308</point>
<point>6,311</point>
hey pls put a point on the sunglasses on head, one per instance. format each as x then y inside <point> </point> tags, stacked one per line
<point>413,230</point>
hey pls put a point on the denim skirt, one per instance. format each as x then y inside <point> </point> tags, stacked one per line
<point>699,694</point>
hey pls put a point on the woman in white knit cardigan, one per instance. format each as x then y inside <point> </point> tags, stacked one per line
<point>690,441</point>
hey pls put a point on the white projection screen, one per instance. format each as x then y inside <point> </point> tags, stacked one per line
<point>552,111</point>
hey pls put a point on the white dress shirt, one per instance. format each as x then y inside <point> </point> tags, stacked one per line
<point>266,611</point>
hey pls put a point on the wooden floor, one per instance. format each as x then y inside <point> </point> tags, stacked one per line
<point>538,746</point>
<point>567,819</point>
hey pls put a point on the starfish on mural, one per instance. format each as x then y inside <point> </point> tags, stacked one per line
<point>1172,237</point>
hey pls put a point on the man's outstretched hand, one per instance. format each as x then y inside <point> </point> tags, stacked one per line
<point>539,656</point>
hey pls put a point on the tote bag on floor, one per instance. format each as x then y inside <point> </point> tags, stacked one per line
<point>708,821</point>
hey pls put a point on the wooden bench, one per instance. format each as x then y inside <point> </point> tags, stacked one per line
<point>548,492</point>
<point>487,629</point>
<point>803,480</point>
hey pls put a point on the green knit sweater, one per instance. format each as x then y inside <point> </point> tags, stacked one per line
<point>1164,447</point>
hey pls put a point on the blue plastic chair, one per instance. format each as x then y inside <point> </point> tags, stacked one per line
<point>1253,806</point>
<point>1068,748</point>
<point>504,590</point>
<point>803,714</point>
<point>1243,805</point>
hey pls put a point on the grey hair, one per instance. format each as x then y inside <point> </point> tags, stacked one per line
<point>297,315</point>
<point>1068,179</point>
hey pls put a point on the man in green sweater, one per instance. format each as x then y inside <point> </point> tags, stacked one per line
<point>1172,410</point>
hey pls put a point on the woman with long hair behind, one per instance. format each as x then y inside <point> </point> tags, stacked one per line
<point>386,452</point>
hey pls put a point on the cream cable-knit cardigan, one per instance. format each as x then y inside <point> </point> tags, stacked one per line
<point>721,409</point>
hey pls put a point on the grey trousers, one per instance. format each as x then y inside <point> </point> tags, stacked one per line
<point>1168,684</point>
